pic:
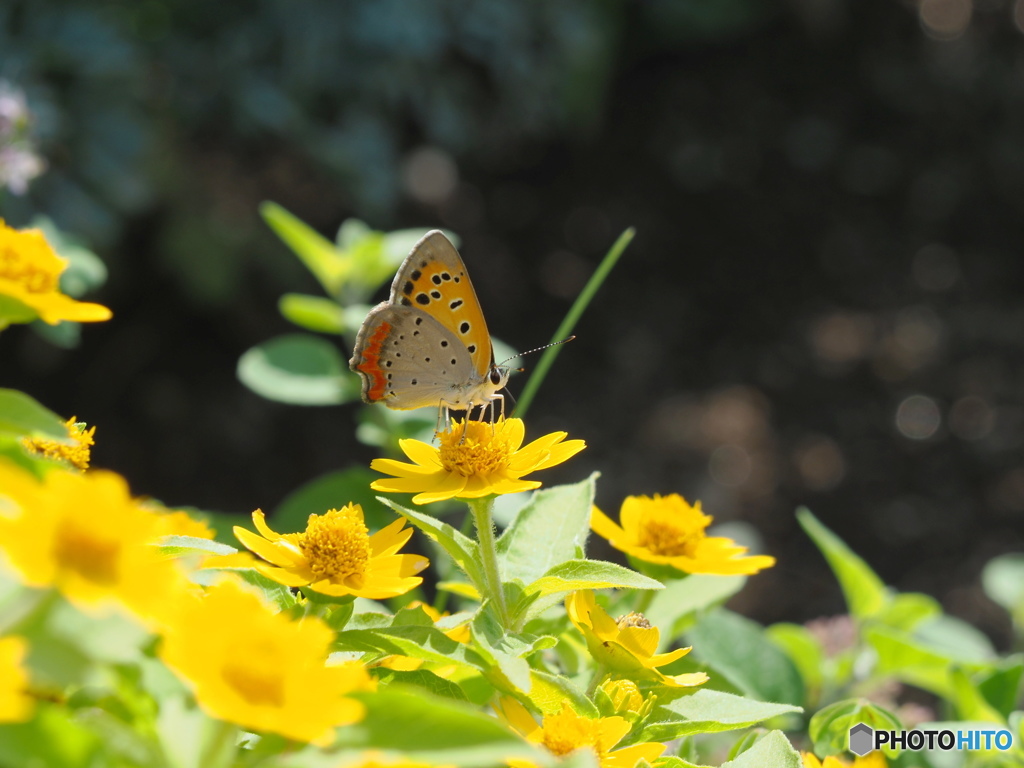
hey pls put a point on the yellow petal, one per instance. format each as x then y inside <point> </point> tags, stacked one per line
<point>401,468</point>
<point>627,757</point>
<point>605,527</point>
<point>513,430</point>
<point>260,522</point>
<point>448,487</point>
<point>562,452</point>
<point>423,454</point>
<point>408,484</point>
<point>661,659</point>
<point>642,642</point>
<point>518,718</point>
<point>276,553</point>
<point>390,539</point>
<point>687,680</point>
<point>283,576</point>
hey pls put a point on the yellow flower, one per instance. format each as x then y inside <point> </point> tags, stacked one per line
<point>83,534</point>
<point>668,531</point>
<point>76,454</point>
<point>474,459</point>
<point>870,760</point>
<point>15,704</point>
<point>254,667</point>
<point>30,274</point>
<point>336,555</point>
<point>628,645</point>
<point>625,699</point>
<point>566,731</point>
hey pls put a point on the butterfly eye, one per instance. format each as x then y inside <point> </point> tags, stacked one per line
<point>496,376</point>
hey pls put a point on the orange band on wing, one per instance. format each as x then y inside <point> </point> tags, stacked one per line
<point>371,362</point>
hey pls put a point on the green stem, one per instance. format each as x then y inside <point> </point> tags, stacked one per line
<point>481,509</point>
<point>571,318</point>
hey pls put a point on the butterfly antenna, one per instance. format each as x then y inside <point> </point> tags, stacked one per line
<point>537,349</point>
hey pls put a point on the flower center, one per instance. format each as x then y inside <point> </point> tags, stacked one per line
<point>567,731</point>
<point>337,544</point>
<point>669,537</point>
<point>474,448</point>
<point>632,619</point>
<point>31,277</point>
<point>92,558</point>
<point>77,455</point>
<point>252,673</point>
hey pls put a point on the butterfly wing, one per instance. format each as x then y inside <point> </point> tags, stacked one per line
<point>407,359</point>
<point>434,280</point>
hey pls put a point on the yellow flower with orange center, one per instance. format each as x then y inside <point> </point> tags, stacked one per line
<point>627,645</point>
<point>15,704</point>
<point>76,453</point>
<point>253,666</point>
<point>566,731</point>
<point>666,530</point>
<point>30,276</point>
<point>870,760</point>
<point>336,555</point>
<point>83,534</point>
<point>474,459</point>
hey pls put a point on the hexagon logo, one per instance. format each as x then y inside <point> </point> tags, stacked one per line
<point>862,739</point>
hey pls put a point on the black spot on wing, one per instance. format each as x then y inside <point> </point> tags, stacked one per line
<point>455,304</point>
<point>407,288</point>
<point>422,298</point>
<point>416,274</point>
<point>464,327</point>
<point>436,279</point>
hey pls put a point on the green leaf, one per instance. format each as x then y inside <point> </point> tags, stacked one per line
<point>864,591</point>
<point>772,750</point>
<point>433,730</point>
<point>907,610</point>
<point>460,548</point>
<point>926,657</point>
<point>189,545</point>
<point>423,678</point>
<point>502,654</point>
<point>803,649</point>
<point>331,491</point>
<point>318,253</point>
<point>314,313</point>
<point>298,369</point>
<point>737,648</point>
<point>970,703</point>
<point>548,691</point>
<point>550,529</point>
<point>709,711</point>
<point>22,415</point>
<point>829,729</point>
<point>1003,580</point>
<point>1000,686</point>
<point>675,607</point>
<point>51,738</point>
<point>418,642</point>
<point>572,575</point>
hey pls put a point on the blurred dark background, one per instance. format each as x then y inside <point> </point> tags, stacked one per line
<point>822,306</point>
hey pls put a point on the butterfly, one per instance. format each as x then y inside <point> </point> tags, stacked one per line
<point>428,345</point>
